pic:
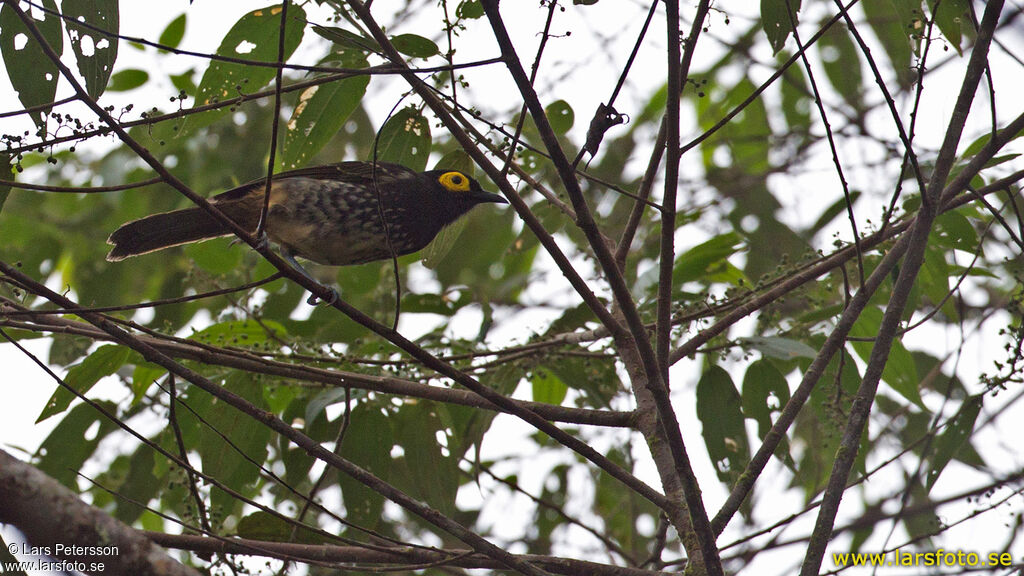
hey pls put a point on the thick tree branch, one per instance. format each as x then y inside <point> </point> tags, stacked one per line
<point>50,515</point>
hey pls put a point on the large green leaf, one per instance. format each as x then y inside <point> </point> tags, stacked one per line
<point>73,441</point>
<point>81,377</point>
<point>841,59</point>
<point>900,371</point>
<point>95,53</point>
<point>424,471</point>
<point>778,17</point>
<point>956,433</point>
<point>5,174</point>
<point>547,387</point>
<point>950,15</point>
<point>33,75</point>
<point>254,37</point>
<point>415,46</point>
<point>404,139</point>
<point>368,444</point>
<point>892,21</point>
<point>231,441</point>
<point>173,32</point>
<point>321,112</point>
<point>719,408</point>
<point>709,260</point>
<point>765,392</point>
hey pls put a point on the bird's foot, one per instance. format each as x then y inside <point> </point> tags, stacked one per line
<point>313,300</point>
<point>262,241</point>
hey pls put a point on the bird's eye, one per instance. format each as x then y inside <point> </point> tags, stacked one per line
<point>454,181</point>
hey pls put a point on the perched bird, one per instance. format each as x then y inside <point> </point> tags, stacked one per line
<point>328,214</point>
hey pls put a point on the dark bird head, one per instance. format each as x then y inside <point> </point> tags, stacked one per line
<point>458,192</point>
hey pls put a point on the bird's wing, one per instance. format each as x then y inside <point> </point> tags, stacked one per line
<point>351,172</point>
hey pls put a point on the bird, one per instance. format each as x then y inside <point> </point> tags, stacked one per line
<point>329,214</point>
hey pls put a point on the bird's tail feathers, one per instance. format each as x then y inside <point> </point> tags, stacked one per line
<point>169,229</point>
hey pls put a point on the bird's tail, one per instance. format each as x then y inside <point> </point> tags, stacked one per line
<point>168,229</point>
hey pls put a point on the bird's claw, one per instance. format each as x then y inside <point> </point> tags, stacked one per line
<point>313,300</point>
<point>262,242</point>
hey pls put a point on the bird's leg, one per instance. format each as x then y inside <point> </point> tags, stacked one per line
<point>312,300</point>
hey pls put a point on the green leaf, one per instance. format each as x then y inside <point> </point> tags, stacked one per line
<point>900,371</point>
<point>457,160</point>
<point>596,378</point>
<point>405,139</point>
<point>796,101</point>
<point>240,333</point>
<point>777,347</point>
<point>841,59</point>
<point>173,33</point>
<point>81,377</point>
<point>368,444</point>
<point>143,377</point>
<point>415,46</point>
<point>216,256</point>
<point>719,409</point>
<point>262,525</point>
<point>423,470</point>
<point>764,391</point>
<point>73,441</point>
<point>317,406</point>
<point>347,39</point>
<point>138,487</point>
<point>6,173</point>
<point>950,15</point>
<point>954,230</point>
<point>321,112</point>
<point>838,207</point>
<point>469,9</point>
<point>933,280</point>
<point>32,74</point>
<point>429,303</point>
<point>184,82</point>
<point>95,53</point>
<point>707,258</point>
<point>560,115</point>
<point>777,19</point>
<point>127,80</point>
<point>953,437</point>
<point>892,21</point>
<point>253,37</point>
<point>547,387</point>
<point>234,463</point>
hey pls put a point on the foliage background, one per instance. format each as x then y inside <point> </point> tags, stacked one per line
<point>760,201</point>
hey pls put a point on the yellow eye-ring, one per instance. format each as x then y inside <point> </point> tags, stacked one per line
<point>454,181</point>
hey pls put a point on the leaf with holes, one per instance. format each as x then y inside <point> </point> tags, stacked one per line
<point>720,411</point>
<point>321,112</point>
<point>777,20</point>
<point>253,38</point>
<point>405,139</point>
<point>95,52</point>
<point>560,115</point>
<point>32,74</point>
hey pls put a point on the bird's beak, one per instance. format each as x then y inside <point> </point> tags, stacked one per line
<point>482,196</point>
